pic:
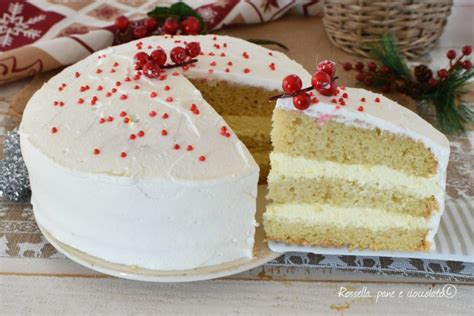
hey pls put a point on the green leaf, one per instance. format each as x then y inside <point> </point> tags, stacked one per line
<point>387,53</point>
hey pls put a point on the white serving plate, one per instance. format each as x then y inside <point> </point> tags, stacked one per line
<point>454,240</point>
<point>262,254</point>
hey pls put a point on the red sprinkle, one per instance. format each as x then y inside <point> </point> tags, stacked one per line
<point>80,101</point>
<point>133,136</point>
<point>360,108</point>
<point>176,147</point>
<point>102,120</point>
<point>202,158</point>
<point>362,100</point>
<point>77,74</point>
<point>345,95</point>
<point>110,119</point>
<point>118,83</point>
<point>123,114</point>
<point>152,113</point>
<point>126,120</point>
<point>115,64</point>
<point>136,87</point>
<point>54,130</point>
<point>377,100</point>
<point>167,88</point>
<point>245,55</point>
<point>227,70</point>
<point>189,148</point>
<point>169,99</point>
<point>246,70</point>
<point>123,97</point>
<point>153,94</point>
<point>98,71</point>
<point>96,151</point>
<point>100,88</point>
<point>213,64</point>
<point>141,133</point>
<point>165,116</point>
<point>127,79</point>
<point>123,154</point>
<point>272,66</point>
<point>229,63</point>
<point>164,132</point>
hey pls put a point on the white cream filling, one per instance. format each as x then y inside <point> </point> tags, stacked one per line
<point>382,177</point>
<point>354,217</point>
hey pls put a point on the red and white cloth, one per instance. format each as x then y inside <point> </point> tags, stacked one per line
<point>42,35</point>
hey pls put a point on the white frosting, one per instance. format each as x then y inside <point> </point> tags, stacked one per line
<point>387,115</point>
<point>157,208</point>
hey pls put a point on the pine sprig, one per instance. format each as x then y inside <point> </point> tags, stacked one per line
<point>443,89</point>
<point>387,53</point>
<point>451,112</point>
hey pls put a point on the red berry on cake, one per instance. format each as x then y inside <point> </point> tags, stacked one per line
<point>170,26</point>
<point>328,67</point>
<point>302,101</point>
<point>190,26</point>
<point>331,90</point>
<point>151,69</point>
<point>122,23</point>
<point>140,32</point>
<point>193,49</point>
<point>150,23</point>
<point>159,56</point>
<point>178,54</point>
<point>291,84</point>
<point>321,80</point>
<point>140,59</point>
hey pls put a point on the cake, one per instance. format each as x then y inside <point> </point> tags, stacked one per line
<point>355,170</point>
<point>155,173</point>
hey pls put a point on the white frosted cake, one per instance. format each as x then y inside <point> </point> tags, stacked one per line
<point>146,172</point>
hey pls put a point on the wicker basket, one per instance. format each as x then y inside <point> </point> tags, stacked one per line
<point>354,25</point>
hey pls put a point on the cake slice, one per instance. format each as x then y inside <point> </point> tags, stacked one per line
<point>355,170</point>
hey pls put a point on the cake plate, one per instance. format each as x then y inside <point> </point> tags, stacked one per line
<point>262,254</point>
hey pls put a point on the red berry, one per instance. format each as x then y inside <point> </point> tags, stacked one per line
<point>332,90</point>
<point>360,76</point>
<point>372,66</point>
<point>170,26</point>
<point>384,69</point>
<point>140,32</point>
<point>451,54</point>
<point>432,83</point>
<point>301,101</point>
<point>151,24</point>
<point>359,66</point>
<point>193,49</point>
<point>443,73</point>
<point>347,66</point>
<point>140,59</point>
<point>467,50</point>
<point>466,64</point>
<point>190,26</point>
<point>328,67</point>
<point>368,81</point>
<point>178,54</point>
<point>321,80</point>
<point>159,56</point>
<point>122,23</point>
<point>151,69</point>
<point>291,84</point>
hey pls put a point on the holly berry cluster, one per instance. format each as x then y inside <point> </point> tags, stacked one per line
<point>423,79</point>
<point>127,30</point>
<point>152,64</point>
<point>323,81</point>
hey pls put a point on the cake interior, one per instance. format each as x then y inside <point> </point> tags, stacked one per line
<point>248,112</point>
<point>336,185</point>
